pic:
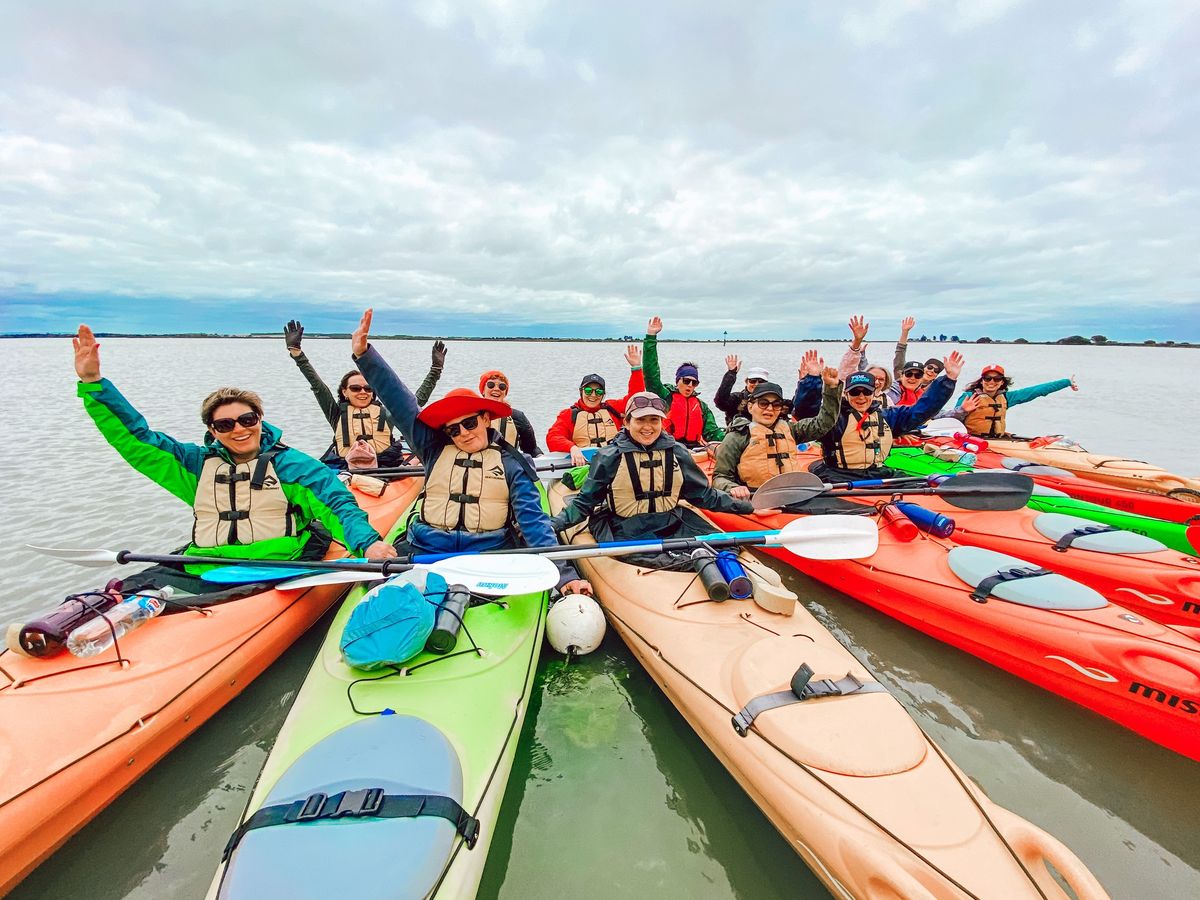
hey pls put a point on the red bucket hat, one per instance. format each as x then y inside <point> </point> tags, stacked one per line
<point>461,402</point>
<point>997,369</point>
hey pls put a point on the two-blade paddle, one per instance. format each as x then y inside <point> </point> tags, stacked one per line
<point>971,490</point>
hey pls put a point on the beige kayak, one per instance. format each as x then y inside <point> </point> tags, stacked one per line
<point>1115,470</point>
<point>868,801</point>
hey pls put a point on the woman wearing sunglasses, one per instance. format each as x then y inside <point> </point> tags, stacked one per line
<point>643,474</point>
<point>480,493</point>
<point>689,419</point>
<point>252,496</point>
<point>354,414</point>
<point>983,407</point>
<point>763,446</point>
<point>593,421</point>
<point>514,428</point>
<point>862,436</point>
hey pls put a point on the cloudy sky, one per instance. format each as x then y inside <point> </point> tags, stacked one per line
<point>529,167</point>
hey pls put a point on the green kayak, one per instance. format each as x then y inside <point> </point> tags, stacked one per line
<point>915,461</point>
<point>388,783</point>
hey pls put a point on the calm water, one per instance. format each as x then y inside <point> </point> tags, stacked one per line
<point>612,794</point>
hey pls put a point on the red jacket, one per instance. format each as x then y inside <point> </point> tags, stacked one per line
<point>559,437</point>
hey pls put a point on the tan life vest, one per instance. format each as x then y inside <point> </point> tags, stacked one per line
<point>646,481</point>
<point>988,418</point>
<point>507,429</point>
<point>466,491</point>
<point>368,422</point>
<point>865,447</point>
<point>241,503</point>
<point>771,452</point>
<point>595,428</point>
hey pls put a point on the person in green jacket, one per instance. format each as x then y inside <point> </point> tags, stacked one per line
<point>355,416</point>
<point>689,419</point>
<point>252,496</point>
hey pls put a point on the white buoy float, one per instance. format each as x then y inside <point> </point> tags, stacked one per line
<point>575,625</point>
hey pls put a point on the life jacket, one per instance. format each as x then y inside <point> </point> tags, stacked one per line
<point>771,452</point>
<point>685,419</point>
<point>595,428</point>
<point>507,429</point>
<point>241,503</point>
<point>908,396</point>
<point>370,422</point>
<point>988,418</point>
<point>858,441</point>
<point>466,491</point>
<point>646,481</point>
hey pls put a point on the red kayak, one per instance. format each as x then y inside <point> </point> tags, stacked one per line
<point>1046,629</point>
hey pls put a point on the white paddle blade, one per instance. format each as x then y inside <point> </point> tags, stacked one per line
<point>830,537</point>
<point>322,578</point>
<point>502,575</point>
<point>94,557</point>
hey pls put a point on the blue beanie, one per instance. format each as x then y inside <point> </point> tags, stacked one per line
<point>687,370</point>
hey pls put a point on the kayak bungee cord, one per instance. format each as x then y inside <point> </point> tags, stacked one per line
<point>808,770</point>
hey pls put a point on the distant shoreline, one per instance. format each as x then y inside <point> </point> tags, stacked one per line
<point>1062,342</point>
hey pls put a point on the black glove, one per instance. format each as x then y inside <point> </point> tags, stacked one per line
<point>439,354</point>
<point>293,332</point>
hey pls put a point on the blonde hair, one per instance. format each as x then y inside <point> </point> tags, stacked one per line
<point>224,395</point>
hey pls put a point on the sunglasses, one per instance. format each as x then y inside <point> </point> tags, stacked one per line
<point>246,420</point>
<point>649,402</point>
<point>860,392</point>
<point>470,423</point>
<point>770,404</point>
<point>496,386</point>
<point>692,381</point>
<point>992,378</point>
<point>359,389</point>
<point>593,392</point>
<point>755,380</point>
<point>913,374</point>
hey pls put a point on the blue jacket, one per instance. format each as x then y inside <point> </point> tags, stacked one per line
<point>900,419</point>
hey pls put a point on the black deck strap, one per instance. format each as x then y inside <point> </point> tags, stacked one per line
<point>989,584</point>
<point>1064,543</point>
<point>803,688</point>
<point>367,802</point>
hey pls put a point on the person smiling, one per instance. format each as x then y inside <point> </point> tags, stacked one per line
<point>983,406</point>
<point>689,419</point>
<point>592,421</point>
<point>862,436</point>
<point>480,493</point>
<point>514,428</point>
<point>252,496</point>
<point>643,475</point>
<point>761,447</point>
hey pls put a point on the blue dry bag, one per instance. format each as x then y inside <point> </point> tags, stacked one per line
<point>393,622</point>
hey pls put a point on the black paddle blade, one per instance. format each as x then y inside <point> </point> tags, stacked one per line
<point>786,489</point>
<point>986,490</point>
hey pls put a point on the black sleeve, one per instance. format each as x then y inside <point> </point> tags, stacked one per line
<point>526,437</point>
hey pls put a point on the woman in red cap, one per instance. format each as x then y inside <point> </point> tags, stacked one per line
<point>593,421</point>
<point>514,428</point>
<point>983,407</point>
<point>480,493</point>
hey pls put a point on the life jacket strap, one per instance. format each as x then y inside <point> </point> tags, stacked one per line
<point>989,584</point>
<point>803,688</point>
<point>365,803</point>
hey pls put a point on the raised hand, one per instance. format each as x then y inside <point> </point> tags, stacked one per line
<point>633,355</point>
<point>654,326</point>
<point>829,377</point>
<point>811,363</point>
<point>1074,386</point>
<point>970,404</point>
<point>732,363</point>
<point>905,327</point>
<point>858,328</point>
<point>293,333</point>
<point>360,339</point>
<point>954,364</point>
<point>439,354</point>
<point>87,355</point>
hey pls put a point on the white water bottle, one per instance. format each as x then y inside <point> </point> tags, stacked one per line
<point>96,636</point>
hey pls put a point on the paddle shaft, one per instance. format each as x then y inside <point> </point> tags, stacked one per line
<point>549,466</point>
<point>387,566</point>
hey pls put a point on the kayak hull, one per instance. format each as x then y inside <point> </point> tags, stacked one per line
<point>126,718</point>
<point>860,793</point>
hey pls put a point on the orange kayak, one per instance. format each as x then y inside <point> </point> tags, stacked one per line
<point>74,735</point>
<point>873,806</point>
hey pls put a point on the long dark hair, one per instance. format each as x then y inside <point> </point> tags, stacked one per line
<point>346,380</point>
<point>977,384</point>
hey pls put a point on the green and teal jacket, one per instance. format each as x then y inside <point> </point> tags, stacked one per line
<point>689,419</point>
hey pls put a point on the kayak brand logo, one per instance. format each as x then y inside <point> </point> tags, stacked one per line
<point>270,482</point>
<point>1158,695</point>
<point>1193,608</point>
<point>496,471</point>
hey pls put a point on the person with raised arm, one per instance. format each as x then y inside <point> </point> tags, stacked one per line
<point>252,496</point>
<point>355,416</point>
<point>731,402</point>
<point>983,406</point>
<point>515,429</point>
<point>480,493</point>
<point>592,421</point>
<point>689,419</point>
